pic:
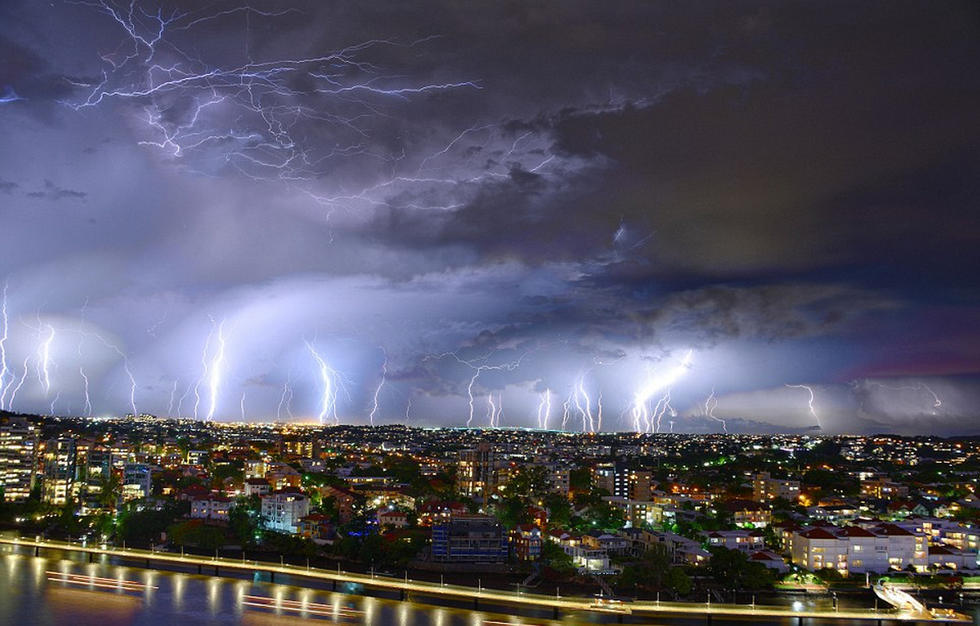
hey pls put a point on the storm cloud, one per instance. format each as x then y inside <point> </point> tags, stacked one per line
<point>495,197</point>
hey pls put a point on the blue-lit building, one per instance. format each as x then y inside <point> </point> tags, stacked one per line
<point>469,539</point>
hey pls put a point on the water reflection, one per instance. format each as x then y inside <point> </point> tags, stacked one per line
<point>138,596</point>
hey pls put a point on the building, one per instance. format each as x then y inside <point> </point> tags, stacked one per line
<point>559,480</point>
<point>746,513</point>
<point>587,560</point>
<point>255,468</point>
<point>257,487</point>
<point>18,454</point>
<point>137,481</point>
<point>215,508</point>
<point>771,560</point>
<point>526,542</point>
<point>98,466</point>
<point>59,470</point>
<point>853,549</point>
<point>317,527</point>
<point>476,472</point>
<point>439,511</point>
<point>766,488</point>
<point>469,539</point>
<point>392,519</point>
<point>622,482</point>
<point>743,540</point>
<point>197,457</point>
<point>282,476</point>
<point>945,532</point>
<point>612,544</point>
<point>883,489</point>
<point>680,549</point>
<point>282,511</point>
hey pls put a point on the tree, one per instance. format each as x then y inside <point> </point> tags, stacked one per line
<point>733,569</point>
<point>678,581</point>
<point>110,488</point>
<point>529,482</point>
<point>243,520</point>
<point>511,512</point>
<point>559,511</point>
<point>555,557</point>
<point>580,479</point>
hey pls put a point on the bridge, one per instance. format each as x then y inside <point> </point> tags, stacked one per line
<point>477,598</point>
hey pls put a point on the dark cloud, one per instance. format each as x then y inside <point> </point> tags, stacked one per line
<point>787,190</point>
<point>54,192</point>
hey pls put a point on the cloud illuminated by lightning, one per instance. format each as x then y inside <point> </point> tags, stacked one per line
<point>338,90</point>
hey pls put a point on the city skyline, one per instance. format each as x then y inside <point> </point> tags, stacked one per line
<point>727,217</point>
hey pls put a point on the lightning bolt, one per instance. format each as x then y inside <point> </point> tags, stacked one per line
<point>810,402</point>
<point>661,408</point>
<point>20,383</point>
<point>341,92</point>
<point>285,401</point>
<point>180,403</point>
<point>921,387</point>
<point>331,381</point>
<point>491,410</point>
<point>408,407</point>
<point>214,381</point>
<point>477,370</point>
<point>44,360</point>
<point>88,400</point>
<point>377,390</point>
<point>544,409</point>
<point>565,413</point>
<point>583,404</point>
<point>4,370</point>
<point>709,409</point>
<point>242,404</point>
<point>173,397</point>
<point>57,395</point>
<point>205,366</point>
<point>643,419</point>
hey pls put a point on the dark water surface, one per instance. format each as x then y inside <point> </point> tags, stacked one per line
<point>33,591</point>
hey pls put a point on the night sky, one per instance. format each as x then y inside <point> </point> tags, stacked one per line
<point>695,215</point>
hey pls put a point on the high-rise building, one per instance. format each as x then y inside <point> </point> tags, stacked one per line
<point>477,471</point>
<point>59,470</point>
<point>98,466</point>
<point>766,488</point>
<point>18,454</point>
<point>622,482</point>
<point>137,481</point>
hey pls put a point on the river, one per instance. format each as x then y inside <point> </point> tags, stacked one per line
<point>63,588</point>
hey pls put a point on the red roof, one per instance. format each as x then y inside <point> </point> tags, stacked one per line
<point>892,530</point>
<point>854,531</point>
<point>818,533</point>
